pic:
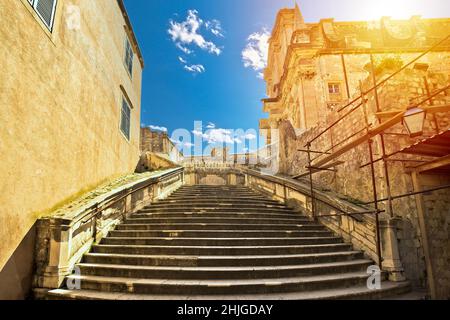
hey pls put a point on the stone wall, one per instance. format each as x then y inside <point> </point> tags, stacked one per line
<point>61,96</point>
<point>355,182</point>
<point>212,171</point>
<point>437,213</point>
<point>159,142</point>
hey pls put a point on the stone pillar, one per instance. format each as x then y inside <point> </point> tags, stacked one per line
<point>53,252</point>
<point>390,250</point>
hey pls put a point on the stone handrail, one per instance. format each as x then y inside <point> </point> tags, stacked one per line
<point>356,225</point>
<point>63,240</point>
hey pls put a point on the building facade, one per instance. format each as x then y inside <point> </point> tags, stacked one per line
<point>314,68</point>
<point>320,94</point>
<point>70,101</point>
<point>159,143</point>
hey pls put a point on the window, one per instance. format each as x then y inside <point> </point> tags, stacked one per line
<point>129,55</point>
<point>334,92</point>
<point>334,88</point>
<point>125,119</point>
<point>45,9</point>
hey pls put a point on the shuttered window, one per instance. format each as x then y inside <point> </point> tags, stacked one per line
<point>129,55</point>
<point>125,119</point>
<point>45,9</point>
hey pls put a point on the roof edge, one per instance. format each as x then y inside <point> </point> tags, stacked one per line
<point>133,35</point>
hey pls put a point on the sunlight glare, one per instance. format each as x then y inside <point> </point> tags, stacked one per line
<point>396,9</point>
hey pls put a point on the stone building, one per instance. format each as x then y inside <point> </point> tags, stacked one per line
<point>320,86</point>
<point>70,101</point>
<point>159,142</point>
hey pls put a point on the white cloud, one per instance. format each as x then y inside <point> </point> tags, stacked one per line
<point>158,128</point>
<point>182,144</point>
<point>211,125</point>
<point>187,33</point>
<point>195,68</point>
<point>215,27</point>
<point>250,136</point>
<point>217,136</point>
<point>182,60</point>
<point>255,54</point>
<point>184,49</point>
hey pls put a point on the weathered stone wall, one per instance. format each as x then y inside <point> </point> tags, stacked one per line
<point>60,108</point>
<point>437,214</point>
<point>356,183</point>
<point>159,142</point>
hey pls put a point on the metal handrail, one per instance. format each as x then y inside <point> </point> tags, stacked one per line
<point>410,194</point>
<point>377,86</point>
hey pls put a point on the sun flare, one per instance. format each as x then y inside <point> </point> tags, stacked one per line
<point>397,9</point>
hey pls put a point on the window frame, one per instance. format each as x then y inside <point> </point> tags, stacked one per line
<point>335,93</point>
<point>34,3</point>
<point>125,103</point>
<point>333,86</point>
<point>128,56</point>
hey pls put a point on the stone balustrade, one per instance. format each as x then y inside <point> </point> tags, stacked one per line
<point>359,229</point>
<point>63,240</point>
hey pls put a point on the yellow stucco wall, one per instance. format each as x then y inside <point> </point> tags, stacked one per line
<point>60,104</point>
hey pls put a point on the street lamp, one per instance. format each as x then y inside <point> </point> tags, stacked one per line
<point>414,121</point>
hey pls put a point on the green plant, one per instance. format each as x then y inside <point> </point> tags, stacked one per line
<point>381,64</point>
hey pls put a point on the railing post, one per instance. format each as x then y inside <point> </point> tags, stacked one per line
<point>375,198</point>
<point>94,223</point>
<point>311,184</point>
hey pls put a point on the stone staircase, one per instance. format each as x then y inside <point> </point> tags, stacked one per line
<point>222,242</point>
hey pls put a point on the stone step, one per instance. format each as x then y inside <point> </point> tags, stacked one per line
<point>215,201</point>
<point>216,191</point>
<point>218,208</point>
<point>214,194</point>
<point>221,273</point>
<point>220,250</point>
<point>216,198</point>
<point>219,226</point>
<point>217,287</point>
<point>227,212</point>
<point>220,261</point>
<point>211,218</point>
<point>361,292</point>
<point>219,233</point>
<point>221,242</point>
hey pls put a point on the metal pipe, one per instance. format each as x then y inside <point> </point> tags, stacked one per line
<point>386,176</point>
<point>427,88</point>
<point>321,169</point>
<point>381,83</point>
<point>383,148</point>
<point>344,140</point>
<point>335,123</point>
<point>410,194</point>
<point>375,197</point>
<point>318,152</point>
<point>344,67</point>
<point>405,66</point>
<point>313,207</point>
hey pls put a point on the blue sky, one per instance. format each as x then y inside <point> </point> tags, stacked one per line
<point>211,83</point>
